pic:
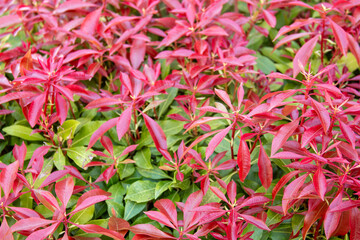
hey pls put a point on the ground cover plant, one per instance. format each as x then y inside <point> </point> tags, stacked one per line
<point>193,119</point>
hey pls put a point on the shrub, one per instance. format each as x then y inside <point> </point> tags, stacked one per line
<point>179,119</point>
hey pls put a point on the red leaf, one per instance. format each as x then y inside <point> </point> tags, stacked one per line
<point>61,108</point>
<point>64,189</point>
<point>254,201</point>
<point>243,160</point>
<point>43,233</point>
<point>107,144</point>
<point>92,228</point>
<point>30,224</point>
<point>332,219</point>
<point>123,124</point>
<point>312,215</point>
<point>19,153</point>
<point>5,232</point>
<point>89,202</point>
<point>174,34</point>
<point>191,203</point>
<point>9,20</point>
<point>340,36</point>
<point>72,5</point>
<point>290,38</point>
<point>91,21</point>
<point>156,132</point>
<point>322,113</point>
<point>166,206</point>
<point>291,191</point>
<point>215,141</point>
<point>26,63</point>
<point>354,47</point>
<point>303,55</point>
<point>7,177</point>
<point>219,193</point>
<point>137,53</point>
<point>225,97</point>
<point>269,18</point>
<point>282,135</point>
<point>53,177</point>
<point>35,109</point>
<point>91,193</point>
<point>355,224</point>
<point>319,181</point>
<point>348,133</point>
<point>150,230</point>
<point>47,199</point>
<point>286,178</point>
<point>214,31</point>
<point>255,221</point>
<point>265,168</point>
<point>101,131</point>
<point>159,217</point>
<point>16,95</point>
<point>103,102</point>
<point>310,134</point>
<point>78,54</point>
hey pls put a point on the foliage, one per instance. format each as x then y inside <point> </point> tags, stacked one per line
<point>179,119</point>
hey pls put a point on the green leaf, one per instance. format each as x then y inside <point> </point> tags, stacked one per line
<point>272,218</point>
<point>125,170</point>
<point>80,155</point>
<point>67,129</point>
<point>143,158</point>
<point>265,64</point>
<point>141,191</point>
<point>83,216</point>
<point>23,132</point>
<point>59,159</point>
<point>161,187</point>
<point>172,92</point>
<point>132,209</point>
<point>155,173</point>
<point>83,136</point>
<point>117,195</point>
<point>297,222</point>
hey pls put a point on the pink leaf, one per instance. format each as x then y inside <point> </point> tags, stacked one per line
<point>167,207</point>
<point>340,36</point>
<point>291,191</point>
<point>7,177</point>
<point>150,230</point>
<point>286,178</point>
<point>30,224</point>
<point>243,160</point>
<point>92,228</point>
<point>303,55</point>
<point>43,233</point>
<point>91,22</point>
<point>92,200</point>
<point>9,20</point>
<point>101,131</point>
<point>319,181</point>
<point>215,141</point>
<point>265,168</point>
<point>35,109</point>
<point>255,221</point>
<point>282,135</point>
<point>156,132</point>
<point>269,18</point>
<point>322,113</point>
<point>72,5</point>
<point>123,124</point>
<point>64,189</point>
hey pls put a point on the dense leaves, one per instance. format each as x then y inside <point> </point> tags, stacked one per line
<point>179,119</point>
